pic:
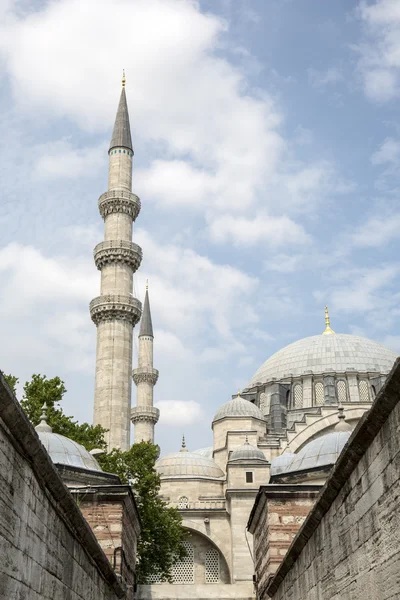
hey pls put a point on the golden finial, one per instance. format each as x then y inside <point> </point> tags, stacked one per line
<point>328,329</point>
<point>147,284</point>
<point>123,78</point>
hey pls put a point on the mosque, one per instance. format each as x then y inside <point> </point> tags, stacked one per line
<point>287,427</point>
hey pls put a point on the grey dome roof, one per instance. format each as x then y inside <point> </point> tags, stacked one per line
<point>320,452</point>
<point>207,452</point>
<point>248,453</point>
<point>238,407</point>
<point>280,463</point>
<point>64,451</point>
<point>318,354</point>
<point>188,464</point>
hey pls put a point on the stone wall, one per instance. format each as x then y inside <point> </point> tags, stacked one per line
<point>48,551</point>
<point>349,545</point>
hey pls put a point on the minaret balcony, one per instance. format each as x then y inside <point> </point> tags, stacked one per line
<point>111,307</point>
<point>119,201</point>
<point>145,414</point>
<point>145,375</point>
<point>118,251</point>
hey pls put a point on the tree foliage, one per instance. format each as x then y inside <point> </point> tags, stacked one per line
<point>40,391</point>
<point>160,543</point>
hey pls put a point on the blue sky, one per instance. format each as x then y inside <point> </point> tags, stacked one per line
<point>267,153</point>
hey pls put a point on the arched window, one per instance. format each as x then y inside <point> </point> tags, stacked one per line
<point>341,390</point>
<point>319,393</point>
<point>183,502</point>
<point>183,570</point>
<point>212,566</point>
<point>364,391</point>
<point>298,396</point>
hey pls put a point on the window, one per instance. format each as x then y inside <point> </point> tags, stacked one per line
<point>183,502</point>
<point>212,566</point>
<point>183,570</point>
<point>373,390</point>
<point>319,393</point>
<point>298,396</point>
<point>363,389</point>
<point>341,390</point>
<point>249,477</point>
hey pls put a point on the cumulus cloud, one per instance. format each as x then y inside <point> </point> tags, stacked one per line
<point>60,159</point>
<point>178,413</point>
<point>377,231</point>
<point>379,53</point>
<point>389,152</point>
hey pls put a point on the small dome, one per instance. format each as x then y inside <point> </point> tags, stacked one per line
<point>64,451</point>
<point>239,407</point>
<point>320,452</point>
<point>248,453</point>
<point>280,463</point>
<point>207,452</point>
<point>321,353</point>
<point>188,464</point>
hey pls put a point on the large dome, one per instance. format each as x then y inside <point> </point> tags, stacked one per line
<point>319,354</point>
<point>320,452</point>
<point>188,464</point>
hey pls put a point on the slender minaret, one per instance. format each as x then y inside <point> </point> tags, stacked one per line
<point>116,311</point>
<point>144,415</point>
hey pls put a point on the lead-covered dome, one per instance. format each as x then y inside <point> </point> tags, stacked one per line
<point>321,452</point>
<point>319,354</point>
<point>281,463</point>
<point>64,451</point>
<point>188,464</point>
<point>238,407</point>
<point>248,453</point>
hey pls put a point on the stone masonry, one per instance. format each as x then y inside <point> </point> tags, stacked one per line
<point>115,312</point>
<point>47,549</point>
<point>349,545</point>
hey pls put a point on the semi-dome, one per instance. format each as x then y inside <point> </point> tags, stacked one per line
<point>319,354</point>
<point>281,463</point>
<point>247,452</point>
<point>188,464</point>
<point>238,407</point>
<point>321,452</point>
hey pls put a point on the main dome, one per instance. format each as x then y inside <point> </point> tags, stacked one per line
<point>319,354</point>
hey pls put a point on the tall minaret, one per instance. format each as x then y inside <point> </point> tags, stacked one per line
<point>116,311</point>
<point>144,415</point>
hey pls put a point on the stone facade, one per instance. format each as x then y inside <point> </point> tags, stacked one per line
<point>47,549</point>
<point>349,545</point>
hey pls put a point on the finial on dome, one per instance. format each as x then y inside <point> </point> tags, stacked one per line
<point>328,329</point>
<point>342,425</point>
<point>123,78</point>
<point>247,439</point>
<point>238,394</point>
<point>183,449</point>
<point>43,425</point>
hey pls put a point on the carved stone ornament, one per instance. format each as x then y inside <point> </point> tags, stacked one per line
<point>118,251</point>
<point>119,201</point>
<point>115,307</point>
<point>145,374</point>
<point>145,414</point>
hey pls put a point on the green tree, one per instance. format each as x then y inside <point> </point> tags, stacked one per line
<point>12,382</point>
<point>41,391</point>
<point>160,543</point>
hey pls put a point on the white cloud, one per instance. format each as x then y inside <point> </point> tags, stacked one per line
<point>61,160</point>
<point>178,413</point>
<point>379,54</point>
<point>320,79</point>
<point>377,231</point>
<point>389,152</point>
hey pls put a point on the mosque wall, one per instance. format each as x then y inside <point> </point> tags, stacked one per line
<point>348,547</point>
<point>47,548</point>
<point>198,492</point>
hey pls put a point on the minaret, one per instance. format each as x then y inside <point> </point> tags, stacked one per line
<point>144,415</point>
<point>116,311</point>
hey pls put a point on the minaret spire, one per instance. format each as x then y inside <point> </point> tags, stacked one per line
<point>115,312</point>
<point>144,415</point>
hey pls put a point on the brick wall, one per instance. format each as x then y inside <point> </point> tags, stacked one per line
<point>349,545</point>
<point>47,549</point>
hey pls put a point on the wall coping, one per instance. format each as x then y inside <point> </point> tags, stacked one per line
<point>361,438</point>
<point>27,443</point>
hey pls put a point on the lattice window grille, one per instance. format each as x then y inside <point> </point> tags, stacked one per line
<point>341,390</point>
<point>212,566</point>
<point>364,391</point>
<point>298,396</point>
<point>319,393</point>
<point>183,502</point>
<point>154,578</point>
<point>183,570</point>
